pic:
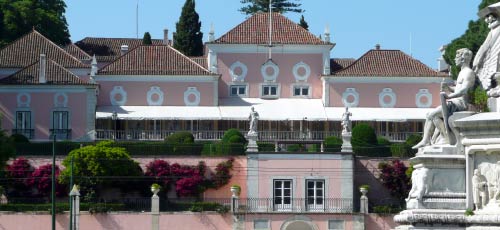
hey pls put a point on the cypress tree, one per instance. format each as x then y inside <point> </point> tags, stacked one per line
<point>146,39</point>
<point>188,37</point>
<point>280,6</point>
<point>303,23</point>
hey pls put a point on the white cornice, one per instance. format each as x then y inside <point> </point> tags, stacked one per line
<point>45,88</point>
<point>374,79</point>
<point>260,48</point>
<point>157,78</point>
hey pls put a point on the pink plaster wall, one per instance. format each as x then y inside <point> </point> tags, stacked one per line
<point>379,222</point>
<point>369,93</point>
<point>42,105</point>
<point>285,63</point>
<point>173,92</point>
<point>119,221</point>
<point>270,169</point>
<point>320,220</point>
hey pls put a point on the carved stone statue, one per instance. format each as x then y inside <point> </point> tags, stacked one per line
<point>346,121</point>
<point>418,184</point>
<point>254,119</point>
<point>435,121</point>
<point>486,60</point>
<point>496,182</point>
<point>479,190</point>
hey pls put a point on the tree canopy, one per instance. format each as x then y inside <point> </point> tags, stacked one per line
<point>18,17</point>
<point>303,23</point>
<point>188,37</point>
<point>146,40</point>
<point>280,6</point>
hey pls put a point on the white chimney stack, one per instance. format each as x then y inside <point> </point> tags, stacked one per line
<point>327,33</point>
<point>43,69</point>
<point>211,34</point>
<point>165,37</point>
<point>123,49</point>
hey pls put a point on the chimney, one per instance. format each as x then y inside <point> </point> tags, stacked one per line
<point>377,46</point>
<point>211,34</point>
<point>327,33</point>
<point>43,69</point>
<point>123,49</point>
<point>165,37</point>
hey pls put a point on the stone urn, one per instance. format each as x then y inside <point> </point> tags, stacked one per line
<point>155,188</point>
<point>363,190</point>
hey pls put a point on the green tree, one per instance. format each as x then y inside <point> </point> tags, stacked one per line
<point>21,16</point>
<point>188,37</point>
<point>146,39</point>
<point>303,23</point>
<point>100,166</point>
<point>280,6</point>
<point>7,150</point>
<point>473,37</point>
<point>364,141</point>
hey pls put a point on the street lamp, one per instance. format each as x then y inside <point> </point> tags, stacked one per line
<point>53,190</point>
<point>114,117</point>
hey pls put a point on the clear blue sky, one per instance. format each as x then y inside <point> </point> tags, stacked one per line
<point>356,26</point>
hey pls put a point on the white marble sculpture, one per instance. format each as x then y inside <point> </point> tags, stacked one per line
<point>435,130</point>
<point>479,190</point>
<point>419,186</point>
<point>486,60</point>
<point>346,121</point>
<point>254,119</point>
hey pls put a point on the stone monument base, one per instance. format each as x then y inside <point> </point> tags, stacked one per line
<point>435,219</point>
<point>252,142</point>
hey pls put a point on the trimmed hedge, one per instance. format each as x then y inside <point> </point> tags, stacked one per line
<point>61,207</point>
<point>45,148</point>
<point>265,147</point>
<point>333,144</point>
<point>364,141</point>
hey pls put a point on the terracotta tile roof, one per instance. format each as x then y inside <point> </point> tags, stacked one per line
<point>27,49</point>
<point>255,30</point>
<point>108,49</point>
<point>337,64</point>
<point>387,63</point>
<point>55,74</point>
<point>77,52</point>
<point>154,60</point>
<point>201,61</point>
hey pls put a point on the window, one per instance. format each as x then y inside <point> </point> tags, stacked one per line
<point>23,124</point>
<point>238,90</point>
<point>270,91</point>
<point>60,124</point>
<point>261,224</point>
<point>301,90</point>
<point>282,195</point>
<point>336,225</point>
<point>315,195</point>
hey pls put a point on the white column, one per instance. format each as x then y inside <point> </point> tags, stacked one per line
<point>363,208</point>
<point>155,210</point>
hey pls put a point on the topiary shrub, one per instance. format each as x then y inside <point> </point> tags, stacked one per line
<point>230,133</point>
<point>364,141</point>
<point>333,144</point>
<point>232,143</point>
<point>183,143</point>
<point>182,137</point>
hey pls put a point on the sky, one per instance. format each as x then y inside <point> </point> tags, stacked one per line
<point>417,28</point>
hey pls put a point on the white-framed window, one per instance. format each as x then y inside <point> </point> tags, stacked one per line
<point>261,224</point>
<point>23,124</point>
<point>238,90</point>
<point>60,125</point>
<point>282,195</point>
<point>336,224</point>
<point>315,192</point>
<point>270,91</point>
<point>301,91</point>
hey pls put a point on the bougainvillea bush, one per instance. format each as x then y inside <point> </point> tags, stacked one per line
<point>41,179</point>
<point>394,178</point>
<point>19,173</point>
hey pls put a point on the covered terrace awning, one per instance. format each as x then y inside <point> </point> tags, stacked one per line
<point>379,114</point>
<point>159,112</point>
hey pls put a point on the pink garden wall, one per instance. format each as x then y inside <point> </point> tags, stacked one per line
<point>285,63</point>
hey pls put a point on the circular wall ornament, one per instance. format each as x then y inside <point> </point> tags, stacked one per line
<point>238,75</point>
<point>192,96</point>
<point>301,71</point>
<point>155,96</point>
<point>60,100</point>
<point>350,98</point>
<point>423,99</point>
<point>387,93</point>
<point>270,71</point>
<point>23,100</point>
<point>118,96</point>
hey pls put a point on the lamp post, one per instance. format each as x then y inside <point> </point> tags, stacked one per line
<point>53,191</point>
<point>114,117</point>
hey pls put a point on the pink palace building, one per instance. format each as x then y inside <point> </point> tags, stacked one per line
<point>107,88</point>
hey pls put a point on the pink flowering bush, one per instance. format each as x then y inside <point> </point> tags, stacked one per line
<point>19,173</point>
<point>41,179</point>
<point>394,178</point>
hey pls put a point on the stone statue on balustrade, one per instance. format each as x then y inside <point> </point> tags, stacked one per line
<point>346,121</point>
<point>479,190</point>
<point>254,119</point>
<point>436,130</point>
<point>486,61</point>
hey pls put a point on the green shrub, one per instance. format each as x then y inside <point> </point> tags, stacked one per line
<point>230,133</point>
<point>19,138</point>
<point>411,141</point>
<point>209,149</point>
<point>364,141</point>
<point>400,150</point>
<point>314,148</point>
<point>182,137</point>
<point>333,144</point>
<point>386,209</point>
<point>265,147</point>
<point>295,148</point>
<point>384,147</point>
<point>225,149</point>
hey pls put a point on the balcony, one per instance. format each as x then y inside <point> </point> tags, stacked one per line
<point>28,133</point>
<point>294,205</point>
<point>61,134</point>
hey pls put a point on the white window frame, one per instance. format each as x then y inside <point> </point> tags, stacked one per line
<point>315,205</point>
<point>301,86</point>
<point>231,86</point>
<point>68,123</point>
<point>268,223</point>
<point>335,220</point>
<point>278,90</point>
<point>24,126</point>
<point>281,196</point>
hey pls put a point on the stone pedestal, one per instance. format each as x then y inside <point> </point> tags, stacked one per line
<point>252,138</point>
<point>346,142</point>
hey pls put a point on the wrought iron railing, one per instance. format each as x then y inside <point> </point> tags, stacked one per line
<point>61,134</point>
<point>28,133</point>
<point>294,205</point>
